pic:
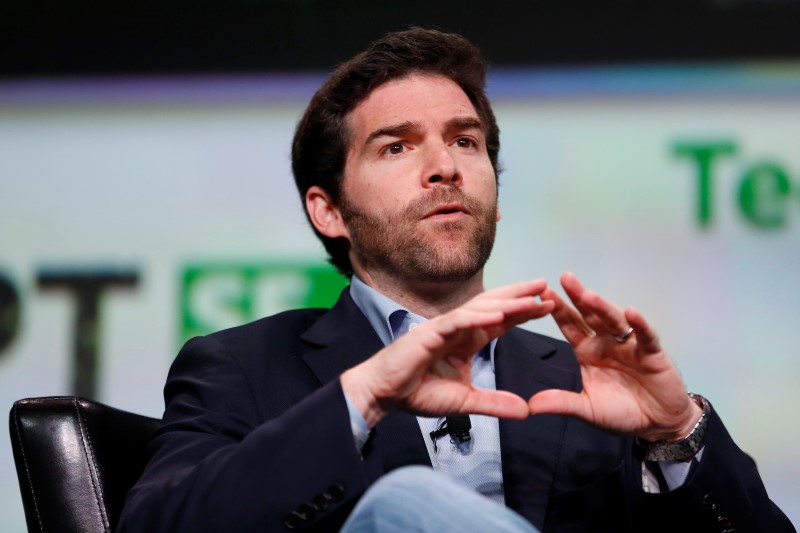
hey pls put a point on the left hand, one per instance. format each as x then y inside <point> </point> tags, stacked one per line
<point>629,387</point>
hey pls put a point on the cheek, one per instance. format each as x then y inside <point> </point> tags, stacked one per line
<point>489,180</point>
<point>483,169</point>
<point>382,197</point>
<point>388,184</point>
<point>357,184</point>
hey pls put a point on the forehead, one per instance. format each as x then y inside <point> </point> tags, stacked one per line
<point>420,98</point>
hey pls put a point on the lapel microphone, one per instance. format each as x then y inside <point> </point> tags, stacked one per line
<point>457,426</point>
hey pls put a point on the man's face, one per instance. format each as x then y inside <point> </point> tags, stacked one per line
<point>419,197</point>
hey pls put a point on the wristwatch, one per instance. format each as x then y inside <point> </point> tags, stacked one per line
<point>686,447</point>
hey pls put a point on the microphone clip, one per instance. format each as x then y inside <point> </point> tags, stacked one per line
<point>457,427</point>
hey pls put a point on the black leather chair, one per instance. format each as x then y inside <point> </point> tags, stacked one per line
<point>75,461</point>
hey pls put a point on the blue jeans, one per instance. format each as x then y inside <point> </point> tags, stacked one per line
<point>418,499</point>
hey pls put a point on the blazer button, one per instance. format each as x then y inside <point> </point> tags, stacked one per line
<point>724,522</point>
<point>296,518</point>
<point>320,503</point>
<point>305,512</point>
<point>334,493</point>
<point>292,521</point>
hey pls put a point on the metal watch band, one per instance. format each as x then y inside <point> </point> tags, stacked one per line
<point>686,447</point>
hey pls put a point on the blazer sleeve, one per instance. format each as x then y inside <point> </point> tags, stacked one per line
<point>724,492</point>
<point>220,463</point>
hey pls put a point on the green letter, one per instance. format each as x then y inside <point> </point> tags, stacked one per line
<point>704,155</point>
<point>763,193</point>
<point>9,312</point>
<point>215,296</point>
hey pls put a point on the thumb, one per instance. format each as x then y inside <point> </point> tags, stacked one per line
<point>559,402</point>
<point>502,404</point>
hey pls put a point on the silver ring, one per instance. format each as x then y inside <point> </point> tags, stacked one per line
<point>622,337</point>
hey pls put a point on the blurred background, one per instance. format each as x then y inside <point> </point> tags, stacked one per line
<point>146,194</point>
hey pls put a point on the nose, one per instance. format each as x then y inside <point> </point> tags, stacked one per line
<point>441,168</point>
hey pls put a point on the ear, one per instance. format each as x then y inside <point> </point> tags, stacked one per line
<point>325,216</point>
<point>498,215</point>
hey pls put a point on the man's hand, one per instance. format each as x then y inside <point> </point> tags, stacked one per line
<point>630,386</point>
<point>427,371</point>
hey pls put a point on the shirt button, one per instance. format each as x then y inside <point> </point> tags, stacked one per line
<point>412,326</point>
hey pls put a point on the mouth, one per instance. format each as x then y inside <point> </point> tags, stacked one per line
<point>450,210</point>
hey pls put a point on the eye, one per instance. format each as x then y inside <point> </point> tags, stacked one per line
<point>466,142</point>
<point>394,149</point>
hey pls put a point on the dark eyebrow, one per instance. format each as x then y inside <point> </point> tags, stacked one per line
<point>393,130</point>
<point>464,123</point>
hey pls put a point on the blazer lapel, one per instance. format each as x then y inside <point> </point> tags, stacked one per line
<point>343,338</point>
<point>340,339</point>
<point>530,448</point>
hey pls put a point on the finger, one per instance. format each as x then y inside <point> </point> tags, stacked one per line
<point>508,305</point>
<point>456,334</point>
<point>568,319</point>
<point>502,404</point>
<point>600,314</point>
<point>465,318</point>
<point>537,310</point>
<point>646,337</point>
<point>518,310</point>
<point>463,331</point>
<point>517,301</point>
<point>459,334</point>
<point>560,402</point>
<point>516,290</point>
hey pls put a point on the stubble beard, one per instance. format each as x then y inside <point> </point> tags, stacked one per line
<point>405,247</point>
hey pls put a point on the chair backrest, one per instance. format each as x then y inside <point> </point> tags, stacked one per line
<point>76,460</point>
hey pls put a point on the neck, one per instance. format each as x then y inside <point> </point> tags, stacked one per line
<point>426,299</point>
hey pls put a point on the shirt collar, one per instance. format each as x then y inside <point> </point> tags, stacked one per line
<point>375,306</point>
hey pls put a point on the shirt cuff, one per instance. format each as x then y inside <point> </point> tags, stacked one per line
<point>673,473</point>
<point>357,424</point>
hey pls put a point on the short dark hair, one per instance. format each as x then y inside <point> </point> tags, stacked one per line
<point>319,149</point>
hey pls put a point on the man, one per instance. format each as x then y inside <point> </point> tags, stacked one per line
<point>286,422</point>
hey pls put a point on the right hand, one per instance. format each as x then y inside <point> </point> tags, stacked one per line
<point>427,371</point>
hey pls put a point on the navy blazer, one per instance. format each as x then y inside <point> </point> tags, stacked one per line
<point>256,437</point>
